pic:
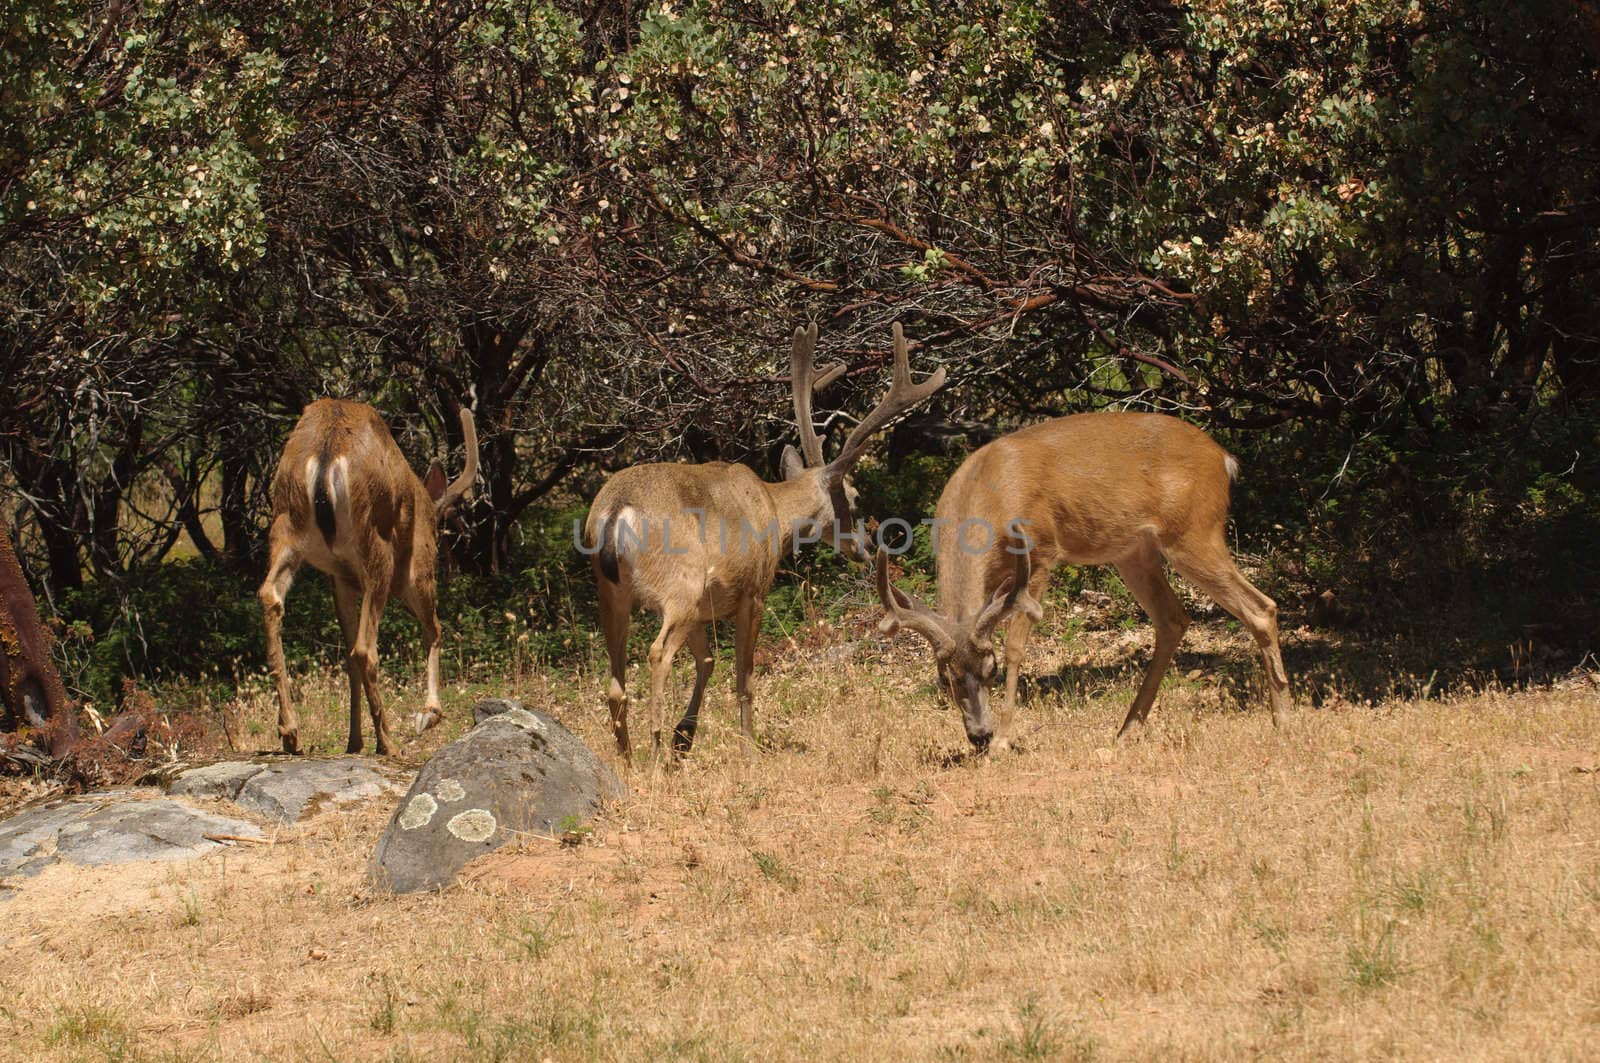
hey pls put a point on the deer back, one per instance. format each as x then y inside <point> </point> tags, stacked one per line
<point>1085,489</point>
<point>387,505</point>
<point>711,531</point>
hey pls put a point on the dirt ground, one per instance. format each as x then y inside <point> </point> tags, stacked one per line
<point>1389,878</point>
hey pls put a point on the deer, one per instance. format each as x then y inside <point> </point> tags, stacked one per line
<point>1132,490</point>
<point>31,691</point>
<point>345,501</point>
<point>700,543</point>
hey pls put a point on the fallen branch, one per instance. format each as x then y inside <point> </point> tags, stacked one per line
<point>238,838</point>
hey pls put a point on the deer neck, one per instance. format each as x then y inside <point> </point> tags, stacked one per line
<point>961,579</point>
<point>963,556</point>
<point>799,502</point>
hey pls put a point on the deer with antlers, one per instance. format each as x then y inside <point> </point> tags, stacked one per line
<point>699,543</point>
<point>345,501</point>
<point>1126,489</point>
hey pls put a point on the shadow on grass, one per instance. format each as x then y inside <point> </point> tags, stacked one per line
<point>1362,662</point>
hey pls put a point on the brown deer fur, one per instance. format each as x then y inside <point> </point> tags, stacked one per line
<point>345,501</point>
<point>698,543</point>
<point>1124,489</point>
<point>30,686</point>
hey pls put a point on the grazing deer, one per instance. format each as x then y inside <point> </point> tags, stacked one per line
<point>30,687</point>
<point>344,500</point>
<point>1124,489</point>
<point>698,543</point>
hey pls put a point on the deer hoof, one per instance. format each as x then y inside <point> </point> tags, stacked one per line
<point>424,720</point>
<point>291,743</point>
<point>1132,731</point>
<point>1000,747</point>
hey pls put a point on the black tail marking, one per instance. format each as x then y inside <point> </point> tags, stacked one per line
<point>608,551</point>
<point>322,502</point>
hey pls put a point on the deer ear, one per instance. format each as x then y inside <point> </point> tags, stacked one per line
<point>792,463</point>
<point>435,481</point>
<point>1020,600</point>
<point>1027,603</point>
<point>1010,597</point>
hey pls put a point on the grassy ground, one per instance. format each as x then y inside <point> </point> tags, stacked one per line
<point>1404,878</point>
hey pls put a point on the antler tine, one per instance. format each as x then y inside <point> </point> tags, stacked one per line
<point>805,381</point>
<point>903,395</point>
<point>1012,594</point>
<point>902,610</point>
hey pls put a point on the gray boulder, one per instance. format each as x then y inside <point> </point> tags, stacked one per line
<point>287,789</point>
<point>518,772</point>
<point>113,827</point>
<point>222,780</point>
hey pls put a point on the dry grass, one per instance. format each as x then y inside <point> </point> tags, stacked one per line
<point>1411,879</point>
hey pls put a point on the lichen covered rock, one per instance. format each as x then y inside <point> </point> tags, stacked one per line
<point>518,772</point>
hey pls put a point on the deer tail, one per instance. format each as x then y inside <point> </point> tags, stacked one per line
<point>329,481</point>
<point>607,535</point>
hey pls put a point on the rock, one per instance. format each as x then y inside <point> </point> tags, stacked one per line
<point>146,830</point>
<point>215,780</point>
<point>28,839</point>
<point>492,707</point>
<point>110,828</point>
<point>284,789</point>
<point>838,653</point>
<point>291,790</point>
<point>517,772</point>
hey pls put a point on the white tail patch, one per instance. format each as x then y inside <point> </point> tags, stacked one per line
<point>1231,463</point>
<point>630,529</point>
<point>313,471</point>
<point>339,490</point>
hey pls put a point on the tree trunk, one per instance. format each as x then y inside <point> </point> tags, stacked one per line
<point>238,540</point>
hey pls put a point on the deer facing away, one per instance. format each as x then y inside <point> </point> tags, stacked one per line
<point>698,543</point>
<point>345,501</point>
<point>1124,489</point>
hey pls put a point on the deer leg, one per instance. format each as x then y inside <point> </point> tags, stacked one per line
<point>747,627</point>
<point>280,575</point>
<point>364,655</point>
<point>1148,584</point>
<point>347,603</point>
<point>1016,648</point>
<point>673,631</point>
<point>1211,568</point>
<point>418,598</point>
<point>700,646</point>
<point>614,617</point>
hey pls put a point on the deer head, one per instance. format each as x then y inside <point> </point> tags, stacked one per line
<point>836,495</point>
<point>963,650</point>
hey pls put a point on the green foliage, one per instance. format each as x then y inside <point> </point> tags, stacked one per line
<point>144,142</point>
<point>1373,961</point>
<point>908,489</point>
<point>185,618</point>
<point>195,620</point>
<point>1040,1036</point>
<point>1463,546</point>
<point>775,870</point>
<point>1364,233</point>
